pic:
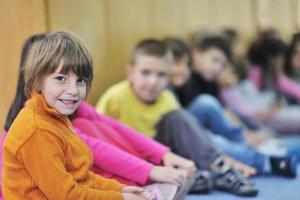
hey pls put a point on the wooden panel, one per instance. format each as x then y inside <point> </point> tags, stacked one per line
<point>111,28</point>
<point>279,14</point>
<point>19,19</point>
<point>214,14</point>
<point>168,17</point>
<point>86,19</point>
<point>128,22</point>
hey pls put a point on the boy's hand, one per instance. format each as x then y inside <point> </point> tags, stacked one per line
<point>136,193</point>
<point>163,174</point>
<point>132,189</point>
<point>172,160</point>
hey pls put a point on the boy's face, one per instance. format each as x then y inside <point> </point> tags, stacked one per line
<point>64,92</point>
<point>148,77</point>
<point>180,72</point>
<point>209,63</point>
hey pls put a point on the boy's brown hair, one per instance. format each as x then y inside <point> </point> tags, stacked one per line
<point>150,47</point>
<point>46,55</point>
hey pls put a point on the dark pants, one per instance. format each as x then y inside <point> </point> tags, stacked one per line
<point>181,132</point>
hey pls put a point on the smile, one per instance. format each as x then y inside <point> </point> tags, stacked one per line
<point>68,101</point>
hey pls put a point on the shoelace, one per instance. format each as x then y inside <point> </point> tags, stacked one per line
<point>234,180</point>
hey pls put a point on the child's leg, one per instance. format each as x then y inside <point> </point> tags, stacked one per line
<point>101,131</point>
<point>181,132</point>
<point>185,187</point>
<point>210,113</point>
<point>292,145</point>
<point>145,146</point>
<point>162,191</point>
<point>286,120</point>
<point>243,153</point>
<point>166,191</point>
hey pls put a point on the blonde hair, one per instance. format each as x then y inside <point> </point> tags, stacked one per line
<point>151,47</point>
<point>46,55</point>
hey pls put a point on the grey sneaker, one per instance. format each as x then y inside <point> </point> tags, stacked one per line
<point>230,180</point>
<point>203,182</point>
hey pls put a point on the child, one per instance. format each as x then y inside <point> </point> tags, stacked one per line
<point>210,55</point>
<point>155,112</point>
<point>210,113</point>
<point>41,141</point>
<point>292,62</point>
<point>259,100</point>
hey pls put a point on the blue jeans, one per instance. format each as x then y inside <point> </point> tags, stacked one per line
<point>210,114</point>
<point>228,138</point>
<point>292,146</point>
<point>243,153</point>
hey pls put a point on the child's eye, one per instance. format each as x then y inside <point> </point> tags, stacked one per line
<point>81,81</point>
<point>60,78</point>
<point>145,72</point>
<point>162,74</point>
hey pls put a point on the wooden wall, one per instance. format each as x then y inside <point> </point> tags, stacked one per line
<point>18,20</point>
<point>110,28</point>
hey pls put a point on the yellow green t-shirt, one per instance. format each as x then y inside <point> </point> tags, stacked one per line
<point>120,103</point>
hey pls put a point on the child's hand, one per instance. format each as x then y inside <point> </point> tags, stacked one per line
<point>172,160</point>
<point>166,175</point>
<point>136,193</point>
<point>132,189</point>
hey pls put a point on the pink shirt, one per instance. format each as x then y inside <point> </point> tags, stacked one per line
<point>284,84</point>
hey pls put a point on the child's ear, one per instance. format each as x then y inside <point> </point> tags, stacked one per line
<point>129,69</point>
<point>196,53</point>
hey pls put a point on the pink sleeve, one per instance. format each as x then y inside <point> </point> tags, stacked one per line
<point>118,162</point>
<point>289,87</point>
<point>230,99</point>
<point>147,147</point>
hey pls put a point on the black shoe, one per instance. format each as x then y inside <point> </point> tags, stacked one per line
<point>230,180</point>
<point>284,166</point>
<point>203,183</point>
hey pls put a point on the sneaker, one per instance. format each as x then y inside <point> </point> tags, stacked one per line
<point>284,166</point>
<point>162,191</point>
<point>229,180</point>
<point>203,183</point>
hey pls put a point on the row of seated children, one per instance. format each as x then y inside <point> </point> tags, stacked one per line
<point>138,160</point>
<point>56,72</point>
<point>148,100</point>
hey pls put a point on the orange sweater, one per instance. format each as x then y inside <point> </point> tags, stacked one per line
<point>44,159</point>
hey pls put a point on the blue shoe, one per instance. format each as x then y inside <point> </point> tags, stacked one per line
<point>284,166</point>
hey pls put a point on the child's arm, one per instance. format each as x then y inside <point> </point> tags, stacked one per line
<point>147,147</point>
<point>233,101</point>
<point>289,87</point>
<point>44,159</point>
<point>116,161</point>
